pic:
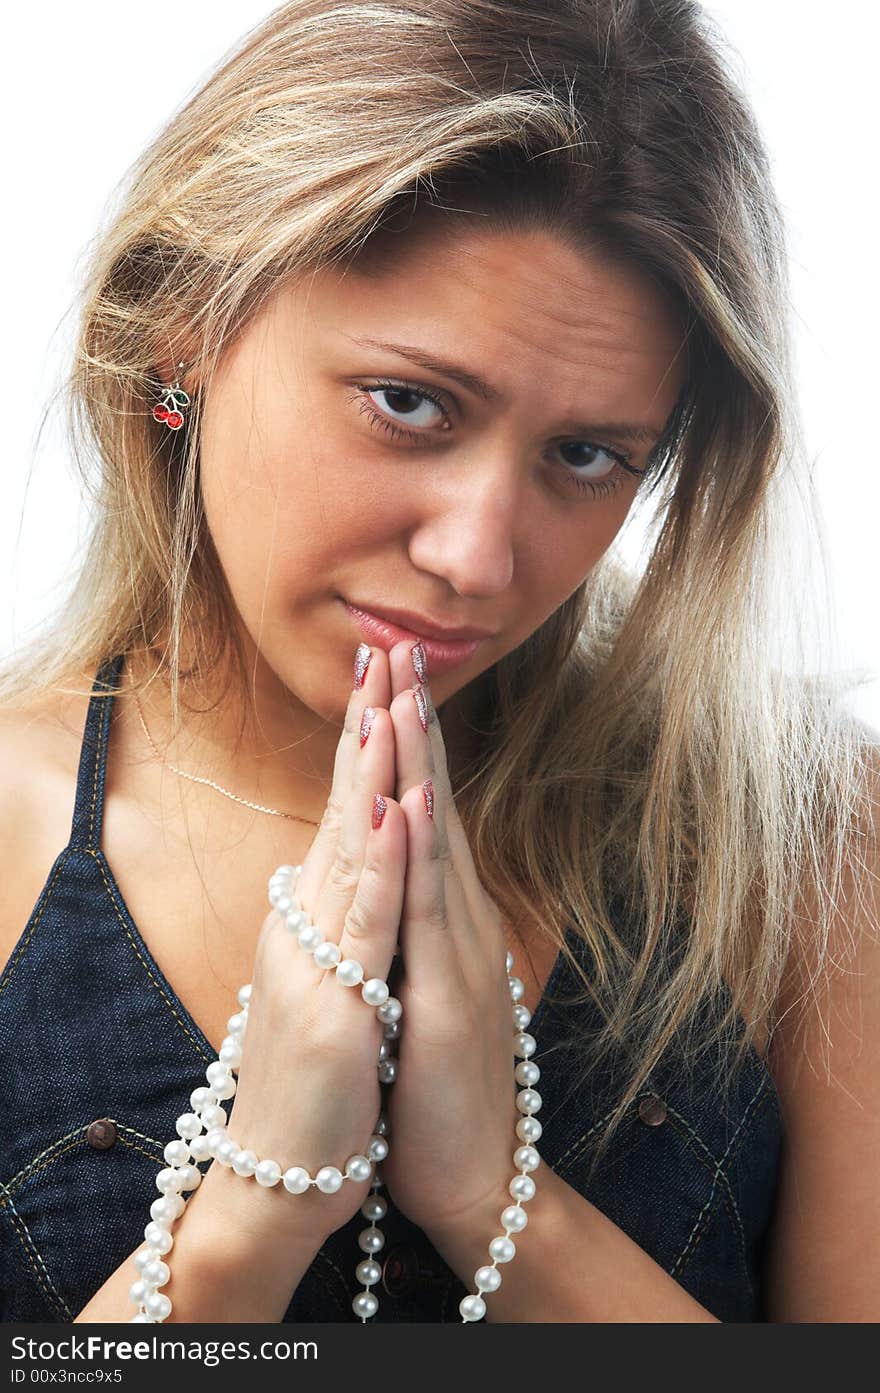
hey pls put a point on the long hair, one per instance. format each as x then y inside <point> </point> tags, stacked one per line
<point>652,745</point>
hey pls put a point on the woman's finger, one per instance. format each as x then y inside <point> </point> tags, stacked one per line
<point>371,671</point>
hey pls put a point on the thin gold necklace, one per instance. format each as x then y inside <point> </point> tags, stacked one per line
<point>198,779</point>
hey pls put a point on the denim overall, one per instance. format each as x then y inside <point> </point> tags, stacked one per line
<point>98,1057</point>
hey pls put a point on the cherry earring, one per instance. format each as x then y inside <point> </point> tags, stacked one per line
<point>173,398</point>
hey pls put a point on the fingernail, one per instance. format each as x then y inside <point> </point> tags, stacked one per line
<point>428,791</point>
<point>367,724</point>
<point>422,706</point>
<point>380,807</point>
<point>419,661</point>
<point>361,663</point>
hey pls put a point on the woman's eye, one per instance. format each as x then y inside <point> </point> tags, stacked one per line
<point>402,406</point>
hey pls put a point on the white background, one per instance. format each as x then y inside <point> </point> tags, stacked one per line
<point>86,86</point>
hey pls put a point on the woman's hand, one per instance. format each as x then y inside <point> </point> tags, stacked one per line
<point>308,1091</point>
<point>452,1110</point>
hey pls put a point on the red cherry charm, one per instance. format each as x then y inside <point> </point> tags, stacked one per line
<point>160,413</point>
<point>174,420</point>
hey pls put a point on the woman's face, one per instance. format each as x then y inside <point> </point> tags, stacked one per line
<point>339,465</point>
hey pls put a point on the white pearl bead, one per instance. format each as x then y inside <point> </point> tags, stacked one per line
<point>227,1151</point>
<point>390,1011</point>
<point>515,1218</point>
<point>295,920</point>
<point>349,972</point>
<point>371,1240</point>
<point>143,1257</point>
<point>142,1319</point>
<point>267,1173</point>
<point>358,1168</point>
<point>296,1180</point>
<point>224,1090</point>
<point>522,1188</point>
<point>502,1249</point>
<point>213,1116</point>
<point>138,1292</point>
<point>214,1138</point>
<point>508,963</point>
<point>200,1149</point>
<point>158,1305</point>
<point>375,991</point>
<point>244,1163</point>
<point>190,1177</point>
<point>377,1149</point>
<point>527,1073</point>
<point>327,954</point>
<point>526,1158</point>
<point>157,1273</point>
<point>164,1210</point>
<point>521,1017</point>
<point>329,1180</point>
<point>472,1307</point>
<point>177,1153</point>
<point>487,1278</point>
<point>529,1129</point>
<point>216,1073</point>
<point>365,1304</point>
<point>158,1238</point>
<point>200,1098</point>
<point>230,1053</point>
<point>374,1207</point>
<point>168,1181</point>
<point>387,1070</point>
<point>309,937</point>
<point>524,1045</point>
<point>188,1125</point>
<point>517,988</point>
<point>368,1272</point>
<point>236,1024</point>
<point>528,1100</point>
<point>244,995</point>
<point>280,899</point>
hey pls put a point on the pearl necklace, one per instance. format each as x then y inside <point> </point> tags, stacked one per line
<point>202,1135</point>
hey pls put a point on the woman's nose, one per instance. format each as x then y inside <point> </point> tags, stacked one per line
<point>467,531</point>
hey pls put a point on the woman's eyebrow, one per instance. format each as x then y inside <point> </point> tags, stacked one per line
<point>622,430</point>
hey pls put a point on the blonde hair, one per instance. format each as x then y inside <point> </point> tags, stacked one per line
<point>645,748</point>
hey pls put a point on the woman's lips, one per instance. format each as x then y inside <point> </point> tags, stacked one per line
<point>383,634</point>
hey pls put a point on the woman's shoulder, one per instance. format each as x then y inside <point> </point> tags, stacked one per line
<point>40,745</point>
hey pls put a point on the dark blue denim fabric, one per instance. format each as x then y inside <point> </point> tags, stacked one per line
<point>90,1028</point>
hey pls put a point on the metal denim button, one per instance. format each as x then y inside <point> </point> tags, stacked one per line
<point>405,1269</point>
<point>101,1133</point>
<point>652,1110</point>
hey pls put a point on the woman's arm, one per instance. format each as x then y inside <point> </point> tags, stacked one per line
<point>824,1262</point>
<point>571,1264</point>
<point>239,1252</point>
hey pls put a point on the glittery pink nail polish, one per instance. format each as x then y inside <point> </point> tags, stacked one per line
<point>367,719</point>
<point>361,663</point>
<point>422,707</point>
<point>428,791</point>
<point>419,661</point>
<point>380,807</point>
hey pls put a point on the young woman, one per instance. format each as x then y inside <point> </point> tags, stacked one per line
<point>400,317</point>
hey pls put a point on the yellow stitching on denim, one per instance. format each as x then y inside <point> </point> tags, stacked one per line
<point>733,1209</point>
<point>584,1138</point>
<point>104,705</point>
<point>24,1238</point>
<point>97,854</point>
<point>13,962</point>
<point>33,1161</point>
<point>762,1083</point>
